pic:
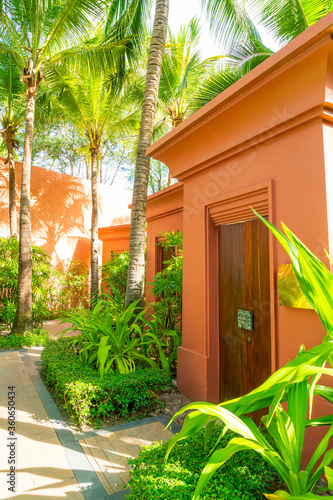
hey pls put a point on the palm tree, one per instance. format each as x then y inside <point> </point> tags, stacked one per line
<point>182,72</point>
<point>232,15</point>
<point>11,119</point>
<point>41,35</point>
<point>136,268</point>
<point>94,103</point>
<point>244,48</point>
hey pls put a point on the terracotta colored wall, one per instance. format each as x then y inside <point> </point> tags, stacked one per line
<point>61,211</point>
<point>164,213</point>
<point>115,239</point>
<point>271,131</point>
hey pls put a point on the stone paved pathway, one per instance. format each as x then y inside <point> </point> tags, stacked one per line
<point>51,461</point>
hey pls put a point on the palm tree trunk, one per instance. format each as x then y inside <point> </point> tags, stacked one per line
<point>87,168</point>
<point>94,226</point>
<point>136,268</point>
<point>12,190</point>
<point>101,170</point>
<point>23,317</point>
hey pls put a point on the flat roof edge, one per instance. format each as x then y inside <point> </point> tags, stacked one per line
<point>295,47</point>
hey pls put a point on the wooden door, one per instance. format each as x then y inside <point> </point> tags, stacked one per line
<point>245,355</point>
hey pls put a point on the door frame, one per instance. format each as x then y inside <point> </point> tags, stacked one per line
<point>226,209</point>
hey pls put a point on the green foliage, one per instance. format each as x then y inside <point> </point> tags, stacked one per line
<point>112,339</point>
<point>41,271</point>
<point>53,290</point>
<point>39,337</point>
<point>168,284</point>
<point>68,286</point>
<point>296,382</point>
<point>86,396</point>
<point>244,477</point>
<point>164,344</point>
<point>114,272</point>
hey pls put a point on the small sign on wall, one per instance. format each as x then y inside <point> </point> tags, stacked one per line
<point>290,292</point>
<point>245,319</point>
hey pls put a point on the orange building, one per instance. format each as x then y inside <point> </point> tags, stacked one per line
<point>61,210</point>
<point>164,214</point>
<point>266,142</point>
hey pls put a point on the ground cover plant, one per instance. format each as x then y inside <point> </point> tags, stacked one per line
<point>88,397</point>
<point>37,338</point>
<point>244,477</point>
<point>296,382</point>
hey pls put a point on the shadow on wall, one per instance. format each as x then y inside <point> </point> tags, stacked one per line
<point>59,204</point>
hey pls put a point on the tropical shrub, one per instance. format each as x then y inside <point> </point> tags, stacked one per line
<point>296,382</point>
<point>87,397</point>
<point>244,477</point>
<point>41,271</point>
<point>37,338</point>
<point>163,344</point>
<point>112,338</point>
<point>68,286</point>
<point>114,273</point>
<point>167,284</point>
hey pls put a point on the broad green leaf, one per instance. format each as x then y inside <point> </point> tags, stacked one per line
<point>282,495</point>
<point>297,410</point>
<point>314,278</point>
<point>321,448</point>
<point>329,477</point>
<point>219,457</point>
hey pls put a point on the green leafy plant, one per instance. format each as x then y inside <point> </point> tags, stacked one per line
<point>111,339</point>
<point>168,284</point>
<point>163,344</point>
<point>244,477</point>
<point>41,271</point>
<point>68,286</point>
<point>37,338</point>
<point>296,382</point>
<point>88,397</point>
<point>114,273</point>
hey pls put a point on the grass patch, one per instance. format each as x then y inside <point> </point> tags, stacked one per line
<point>38,338</point>
<point>246,476</point>
<point>87,397</point>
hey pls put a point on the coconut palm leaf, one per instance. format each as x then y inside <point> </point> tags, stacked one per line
<point>229,21</point>
<point>285,19</point>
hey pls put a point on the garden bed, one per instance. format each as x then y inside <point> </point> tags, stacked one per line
<point>91,399</point>
<point>246,476</point>
<point>8,341</point>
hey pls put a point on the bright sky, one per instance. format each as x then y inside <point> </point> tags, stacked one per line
<point>181,12</point>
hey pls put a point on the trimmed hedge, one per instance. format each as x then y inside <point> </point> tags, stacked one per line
<point>86,396</point>
<point>18,341</point>
<point>245,476</point>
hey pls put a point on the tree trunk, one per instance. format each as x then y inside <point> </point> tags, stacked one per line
<point>87,168</point>
<point>136,268</point>
<point>101,170</point>
<point>23,317</point>
<point>12,189</point>
<point>94,226</point>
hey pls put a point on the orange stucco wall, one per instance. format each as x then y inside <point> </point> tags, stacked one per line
<point>61,211</point>
<point>115,239</point>
<point>164,213</point>
<point>269,133</point>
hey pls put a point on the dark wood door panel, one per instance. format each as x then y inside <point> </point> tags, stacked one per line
<point>243,284</point>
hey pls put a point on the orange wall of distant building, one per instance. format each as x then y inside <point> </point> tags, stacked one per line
<point>115,239</point>
<point>61,211</point>
<point>164,213</point>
